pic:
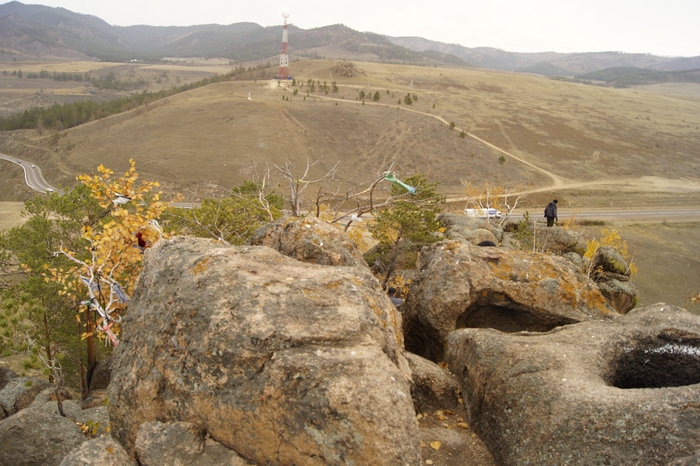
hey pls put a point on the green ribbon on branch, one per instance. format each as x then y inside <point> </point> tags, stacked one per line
<point>390,177</point>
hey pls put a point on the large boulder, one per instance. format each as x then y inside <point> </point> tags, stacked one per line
<point>622,295</point>
<point>34,437</point>
<point>459,285</point>
<point>612,274</point>
<point>560,240</point>
<point>623,392</point>
<point>280,360</point>
<point>470,229</point>
<point>610,260</point>
<point>102,451</point>
<point>19,393</point>
<point>181,443</point>
<point>308,239</point>
<point>434,388</point>
<point>6,375</point>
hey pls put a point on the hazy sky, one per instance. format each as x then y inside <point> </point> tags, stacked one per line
<point>659,27</point>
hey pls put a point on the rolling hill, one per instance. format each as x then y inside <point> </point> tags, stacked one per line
<point>35,30</point>
<point>40,31</point>
<point>577,137</point>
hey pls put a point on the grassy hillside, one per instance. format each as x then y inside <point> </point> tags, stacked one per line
<point>627,76</point>
<point>583,135</point>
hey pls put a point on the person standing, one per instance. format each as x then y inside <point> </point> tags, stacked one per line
<point>551,213</point>
<point>392,295</point>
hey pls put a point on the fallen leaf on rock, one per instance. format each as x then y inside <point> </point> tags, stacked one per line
<point>435,445</point>
<point>463,425</point>
<point>419,416</point>
<point>428,461</point>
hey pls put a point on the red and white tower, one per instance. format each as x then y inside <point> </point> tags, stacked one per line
<point>284,57</point>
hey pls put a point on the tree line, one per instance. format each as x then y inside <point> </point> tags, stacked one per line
<point>69,115</point>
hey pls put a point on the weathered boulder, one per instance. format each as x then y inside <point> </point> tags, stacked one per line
<point>101,375</point>
<point>70,407</point>
<point>96,419</point>
<point>560,240</point>
<point>434,388</point>
<point>574,259</point>
<point>5,376</point>
<point>609,259</point>
<point>48,395</point>
<point>34,437</point>
<point>622,295</point>
<point>470,229</point>
<point>308,239</point>
<point>102,451</point>
<point>181,443</point>
<point>459,285</point>
<point>612,274</point>
<point>623,392</point>
<point>19,393</point>
<point>693,460</point>
<point>95,399</point>
<point>457,446</point>
<point>280,360</point>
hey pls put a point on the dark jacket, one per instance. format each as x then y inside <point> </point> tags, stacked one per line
<point>551,210</point>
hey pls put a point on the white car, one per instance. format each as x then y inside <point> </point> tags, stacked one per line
<point>483,213</point>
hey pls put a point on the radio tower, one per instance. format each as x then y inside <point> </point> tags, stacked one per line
<point>284,57</point>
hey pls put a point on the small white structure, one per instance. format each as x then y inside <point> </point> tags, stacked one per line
<point>483,213</point>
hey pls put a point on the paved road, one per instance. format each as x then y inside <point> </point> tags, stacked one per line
<point>32,174</point>
<point>656,214</point>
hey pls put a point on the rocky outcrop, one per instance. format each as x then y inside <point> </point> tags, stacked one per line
<point>560,241</point>
<point>459,285</point>
<point>623,392</point>
<point>102,451</point>
<point>5,376</point>
<point>34,437</point>
<point>308,239</point>
<point>19,393</point>
<point>279,360</point>
<point>101,375</point>
<point>612,274</point>
<point>434,388</point>
<point>469,229</point>
<point>181,443</point>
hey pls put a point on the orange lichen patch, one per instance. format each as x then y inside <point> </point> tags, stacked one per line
<point>334,284</point>
<point>398,333</point>
<point>201,266</point>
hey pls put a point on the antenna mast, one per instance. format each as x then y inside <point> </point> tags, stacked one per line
<point>284,57</point>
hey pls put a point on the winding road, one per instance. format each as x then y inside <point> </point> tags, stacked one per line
<point>32,174</point>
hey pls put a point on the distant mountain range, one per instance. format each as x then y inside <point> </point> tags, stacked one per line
<point>40,31</point>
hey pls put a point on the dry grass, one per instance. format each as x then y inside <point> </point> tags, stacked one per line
<point>588,137</point>
<point>667,258</point>
<point>11,215</point>
<point>582,134</point>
